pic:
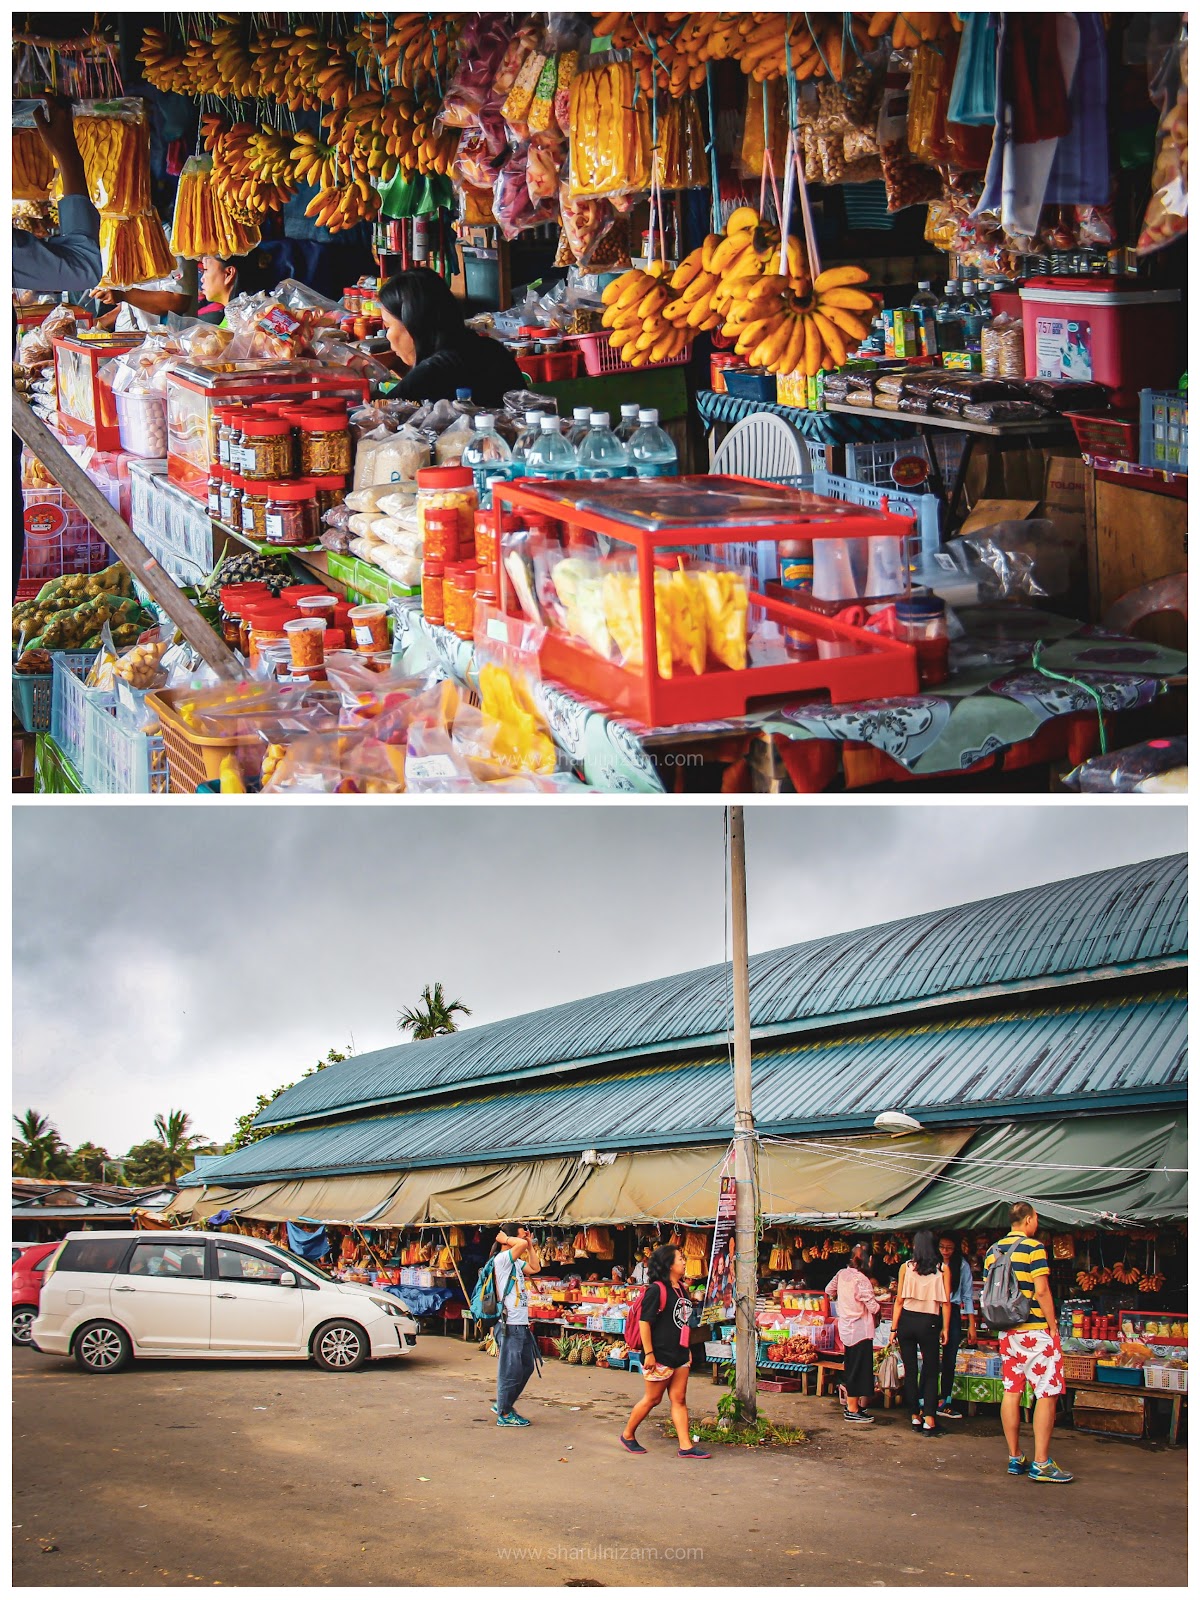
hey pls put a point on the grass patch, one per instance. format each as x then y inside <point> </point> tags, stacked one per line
<point>720,1430</point>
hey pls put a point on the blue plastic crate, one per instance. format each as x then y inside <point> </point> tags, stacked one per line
<point>1125,1377</point>
<point>1164,430</point>
<point>33,692</point>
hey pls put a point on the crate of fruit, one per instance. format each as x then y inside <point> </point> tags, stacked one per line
<point>1079,1368</point>
<point>118,759</point>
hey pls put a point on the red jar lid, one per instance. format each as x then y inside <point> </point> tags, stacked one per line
<point>236,479</point>
<point>321,421</point>
<point>485,585</point>
<point>302,591</point>
<point>434,569</point>
<point>332,481</point>
<point>293,492</point>
<point>444,478</point>
<point>264,427</point>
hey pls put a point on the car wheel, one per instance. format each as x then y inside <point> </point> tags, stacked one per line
<point>102,1347</point>
<point>340,1347</point>
<point>22,1327</point>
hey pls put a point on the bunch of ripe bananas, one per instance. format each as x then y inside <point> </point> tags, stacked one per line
<point>911,28</point>
<point>389,132</point>
<point>253,168</point>
<point>786,323</point>
<point>705,279</point>
<point>635,313</point>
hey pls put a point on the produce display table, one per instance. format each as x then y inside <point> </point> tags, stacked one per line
<point>998,437</point>
<point>986,717</point>
<point>1176,1399</point>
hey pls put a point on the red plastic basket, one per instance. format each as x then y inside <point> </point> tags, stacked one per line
<point>1112,434</point>
<point>600,358</point>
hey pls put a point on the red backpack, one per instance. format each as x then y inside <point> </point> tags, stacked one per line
<point>633,1322</point>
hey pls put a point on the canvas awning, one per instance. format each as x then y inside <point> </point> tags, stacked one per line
<point>1080,1171</point>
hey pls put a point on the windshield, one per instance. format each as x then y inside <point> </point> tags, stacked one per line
<point>282,1250</point>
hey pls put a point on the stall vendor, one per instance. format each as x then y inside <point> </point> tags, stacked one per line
<point>223,277</point>
<point>425,329</point>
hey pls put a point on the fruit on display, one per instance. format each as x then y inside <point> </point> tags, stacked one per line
<point>135,249</point>
<point>635,307</point>
<point>231,778</point>
<point>611,138</point>
<point>116,159</point>
<point>911,28</point>
<point>204,224</point>
<point>32,166</point>
<point>139,668</point>
<point>66,624</point>
<point>798,1350</point>
<point>787,324</point>
<point>250,568</point>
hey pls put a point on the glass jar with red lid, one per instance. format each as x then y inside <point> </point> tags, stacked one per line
<point>266,447</point>
<point>324,441</point>
<point>290,513</point>
<point>433,575</point>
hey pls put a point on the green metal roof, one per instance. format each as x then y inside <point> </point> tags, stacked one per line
<point>1124,919</point>
<point>1064,1059</point>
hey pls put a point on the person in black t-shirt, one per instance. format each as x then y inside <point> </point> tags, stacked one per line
<point>666,1359</point>
<point>424,326</point>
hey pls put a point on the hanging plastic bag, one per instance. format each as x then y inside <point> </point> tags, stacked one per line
<point>1166,215</point>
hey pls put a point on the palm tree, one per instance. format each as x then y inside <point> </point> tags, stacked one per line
<point>177,1142</point>
<point>38,1151</point>
<point>433,1016</point>
<point>91,1163</point>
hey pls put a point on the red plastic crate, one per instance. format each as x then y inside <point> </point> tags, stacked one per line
<point>872,666</point>
<point>1112,434</point>
<point>58,539</point>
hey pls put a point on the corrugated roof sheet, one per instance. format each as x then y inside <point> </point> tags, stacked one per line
<point>1120,918</point>
<point>1124,1053</point>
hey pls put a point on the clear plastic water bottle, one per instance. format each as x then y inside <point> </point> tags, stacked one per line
<point>529,435</point>
<point>486,452</point>
<point>602,455</point>
<point>651,451</point>
<point>581,421</point>
<point>628,424</point>
<point>924,308</point>
<point>948,318</point>
<point>550,456</point>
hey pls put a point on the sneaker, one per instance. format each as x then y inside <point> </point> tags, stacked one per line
<point>1049,1472</point>
<point>856,1416</point>
<point>947,1410</point>
<point>917,1424</point>
<point>1018,1466</point>
<point>511,1420</point>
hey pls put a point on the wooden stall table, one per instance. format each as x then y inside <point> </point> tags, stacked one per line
<point>1136,531</point>
<point>998,435</point>
<point>1176,1399</point>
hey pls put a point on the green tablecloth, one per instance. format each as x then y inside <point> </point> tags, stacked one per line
<point>993,700</point>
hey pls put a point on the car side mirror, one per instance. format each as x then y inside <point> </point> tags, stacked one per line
<point>288,1280</point>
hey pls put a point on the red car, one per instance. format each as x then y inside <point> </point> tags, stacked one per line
<point>27,1288</point>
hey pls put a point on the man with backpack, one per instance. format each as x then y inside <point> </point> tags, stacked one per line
<point>1016,1302</point>
<point>514,1337</point>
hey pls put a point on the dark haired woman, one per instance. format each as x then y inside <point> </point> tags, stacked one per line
<point>666,1312</point>
<point>223,277</point>
<point>962,1304</point>
<point>424,326</point>
<point>922,1324</point>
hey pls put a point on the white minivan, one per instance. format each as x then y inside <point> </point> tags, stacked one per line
<point>111,1297</point>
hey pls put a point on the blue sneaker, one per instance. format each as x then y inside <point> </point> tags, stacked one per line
<point>1049,1472</point>
<point>510,1419</point>
<point>1018,1466</point>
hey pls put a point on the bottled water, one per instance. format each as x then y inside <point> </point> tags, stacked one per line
<point>581,421</point>
<point>602,455</point>
<point>650,449</point>
<point>628,425</point>
<point>948,319</point>
<point>924,308</point>
<point>550,456</point>
<point>529,434</point>
<point>486,453</point>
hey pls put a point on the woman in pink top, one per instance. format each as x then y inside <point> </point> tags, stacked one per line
<point>857,1309</point>
<point>921,1323</point>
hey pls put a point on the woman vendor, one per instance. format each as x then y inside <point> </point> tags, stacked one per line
<point>223,277</point>
<point>425,329</point>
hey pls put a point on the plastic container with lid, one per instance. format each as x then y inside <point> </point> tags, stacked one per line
<point>1098,330</point>
<point>369,626</point>
<point>458,593</point>
<point>441,542</point>
<point>329,490</point>
<point>324,441</point>
<point>289,515</point>
<point>433,574</point>
<point>448,489</point>
<point>216,475</point>
<point>228,433</point>
<point>266,452</point>
<point>306,640</point>
<point>921,622</point>
<point>318,605</point>
<point>485,538</point>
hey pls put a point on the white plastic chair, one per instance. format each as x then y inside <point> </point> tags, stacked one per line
<point>762,446</point>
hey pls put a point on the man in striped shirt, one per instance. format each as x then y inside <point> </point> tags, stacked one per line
<point>1030,1352</point>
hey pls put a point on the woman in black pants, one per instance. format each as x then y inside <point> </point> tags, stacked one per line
<point>922,1324</point>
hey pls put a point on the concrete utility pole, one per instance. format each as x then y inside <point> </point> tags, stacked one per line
<point>745,1154</point>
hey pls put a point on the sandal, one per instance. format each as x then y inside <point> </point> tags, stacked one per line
<point>634,1448</point>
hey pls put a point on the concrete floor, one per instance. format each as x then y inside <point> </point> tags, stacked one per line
<point>398,1475</point>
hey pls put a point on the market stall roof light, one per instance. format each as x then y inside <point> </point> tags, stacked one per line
<point>897,1122</point>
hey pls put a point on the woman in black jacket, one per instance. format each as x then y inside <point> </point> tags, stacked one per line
<point>424,326</point>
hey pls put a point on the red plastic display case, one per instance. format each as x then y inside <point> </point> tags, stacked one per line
<point>195,389</point>
<point>635,526</point>
<point>86,407</point>
<point>27,317</point>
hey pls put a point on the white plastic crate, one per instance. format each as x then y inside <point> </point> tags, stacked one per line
<point>1173,1378</point>
<point>70,698</point>
<point>925,508</point>
<point>872,463</point>
<point>118,760</point>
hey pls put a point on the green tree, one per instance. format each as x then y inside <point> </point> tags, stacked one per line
<point>434,1016</point>
<point>38,1149</point>
<point>146,1164</point>
<point>179,1143</point>
<point>244,1131</point>
<point>91,1163</point>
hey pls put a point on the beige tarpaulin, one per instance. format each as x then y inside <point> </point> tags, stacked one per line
<point>819,1178</point>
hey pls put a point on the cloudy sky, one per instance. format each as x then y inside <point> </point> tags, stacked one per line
<point>181,957</point>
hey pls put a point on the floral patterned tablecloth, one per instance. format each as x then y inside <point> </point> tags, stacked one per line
<point>994,698</point>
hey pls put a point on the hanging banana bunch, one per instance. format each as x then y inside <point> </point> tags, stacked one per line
<point>635,313</point>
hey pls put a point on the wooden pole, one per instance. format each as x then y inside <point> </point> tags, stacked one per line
<point>745,1149</point>
<point>74,481</point>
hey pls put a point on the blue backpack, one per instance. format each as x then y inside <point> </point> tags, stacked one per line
<point>485,1300</point>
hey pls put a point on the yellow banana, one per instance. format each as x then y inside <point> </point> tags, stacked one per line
<point>839,278</point>
<point>849,324</point>
<point>847,299</point>
<point>834,342</point>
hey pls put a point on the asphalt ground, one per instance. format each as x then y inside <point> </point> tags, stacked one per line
<point>278,1474</point>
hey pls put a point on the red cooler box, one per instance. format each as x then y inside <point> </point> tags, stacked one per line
<point>1095,328</point>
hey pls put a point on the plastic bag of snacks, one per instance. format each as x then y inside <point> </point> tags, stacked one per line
<point>1158,766</point>
<point>512,199</point>
<point>365,759</point>
<point>610,133</point>
<point>907,182</point>
<point>545,158</point>
<point>680,161</point>
<point>482,47</point>
<point>585,224</point>
<point>134,250</point>
<point>1166,215</point>
<point>114,140</point>
<point>32,165</point>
